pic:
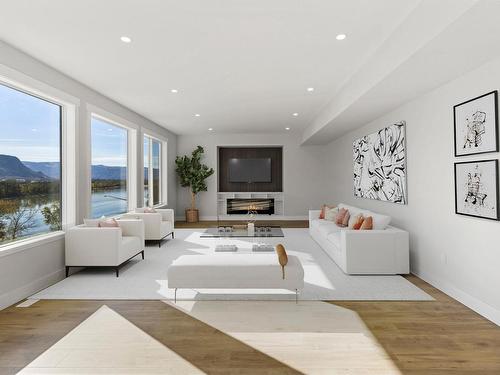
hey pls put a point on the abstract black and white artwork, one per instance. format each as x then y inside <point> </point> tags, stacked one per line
<point>476,189</point>
<point>380,165</point>
<point>476,125</point>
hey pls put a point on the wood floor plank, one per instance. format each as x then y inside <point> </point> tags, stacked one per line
<point>424,337</point>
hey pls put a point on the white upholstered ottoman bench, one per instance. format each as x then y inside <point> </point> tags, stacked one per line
<point>237,271</point>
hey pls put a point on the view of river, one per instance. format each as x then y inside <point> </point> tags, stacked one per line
<point>109,202</point>
<point>104,203</point>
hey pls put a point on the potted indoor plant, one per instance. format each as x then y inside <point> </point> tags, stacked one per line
<point>192,174</point>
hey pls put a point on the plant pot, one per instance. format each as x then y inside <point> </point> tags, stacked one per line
<point>191,215</point>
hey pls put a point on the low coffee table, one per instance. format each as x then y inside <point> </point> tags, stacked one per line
<point>260,232</point>
<point>268,231</point>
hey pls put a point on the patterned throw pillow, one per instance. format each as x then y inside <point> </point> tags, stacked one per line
<point>108,223</point>
<point>367,223</point>
<point>331,213</point>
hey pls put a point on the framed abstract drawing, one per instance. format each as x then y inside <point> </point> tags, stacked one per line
<point>476,125</point>
<point>380,165</point>
<point>476,189</point>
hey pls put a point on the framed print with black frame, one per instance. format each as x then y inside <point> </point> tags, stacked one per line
<point>476,189</point>
<point>476,125</point>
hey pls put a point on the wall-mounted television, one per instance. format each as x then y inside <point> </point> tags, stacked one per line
<point>250,170</point>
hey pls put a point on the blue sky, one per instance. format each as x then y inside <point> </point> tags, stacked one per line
<point>29,129</point>
<point>109,144</point>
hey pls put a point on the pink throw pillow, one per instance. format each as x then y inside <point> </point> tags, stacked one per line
<point>340,216</point>
<point>345,221</point>
<point>149,210</point>
<point>108,223</point>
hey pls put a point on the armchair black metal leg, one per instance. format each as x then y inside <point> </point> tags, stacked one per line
<point>67,271</point>
<point>159,243</point>
<point>142,254</point>
<point>296,296</point>
<point>117,269</point>
<point>172,235</point>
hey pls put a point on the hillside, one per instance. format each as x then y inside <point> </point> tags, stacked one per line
<point>50,169</point>
<point>12,168</point>
<point>99,172</point>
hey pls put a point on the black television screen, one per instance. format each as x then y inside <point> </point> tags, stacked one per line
<point>250,170</point>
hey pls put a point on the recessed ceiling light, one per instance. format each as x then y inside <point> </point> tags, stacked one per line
<point>295,114</point>
<point>310,89</point>
<point>175,91</point>
<point>196,115</point>
<point>210,129</point>
<point>340,37</point>
<point>125,39</point>
<point>287,128</point>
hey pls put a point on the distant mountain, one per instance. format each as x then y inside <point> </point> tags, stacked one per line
<point>104,172</point>
<point>99,172</point>
<point>12,168</point>
<point>50,169</point>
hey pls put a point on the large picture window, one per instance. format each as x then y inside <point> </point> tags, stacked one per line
<point>30,165</point>
<point>109,168</point>
<point>152,171</point>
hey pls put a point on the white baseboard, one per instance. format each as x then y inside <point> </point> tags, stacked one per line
<point>242,217</point>
<point>487,311</point>
<point>16,295</point>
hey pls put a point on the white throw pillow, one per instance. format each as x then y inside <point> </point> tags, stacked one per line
<point>91,222</point>
<point>380,221</point>
<point>331,213</point>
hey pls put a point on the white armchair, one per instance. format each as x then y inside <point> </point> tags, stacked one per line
<point>91,246</point>
<point>158,225</point>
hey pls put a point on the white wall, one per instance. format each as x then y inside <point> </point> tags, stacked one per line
<point>303,178</point>
<point>25,272</point>
<point>459,255</point>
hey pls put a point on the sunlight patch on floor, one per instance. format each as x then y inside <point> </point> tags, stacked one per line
<point>108,343</point>
<point>312,337</point>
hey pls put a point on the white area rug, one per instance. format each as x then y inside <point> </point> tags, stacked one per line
<point>147,279</point>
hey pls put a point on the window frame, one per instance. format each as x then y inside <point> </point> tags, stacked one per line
<point>162,167</point>
<point>132,130</point>
<point>67,149</point>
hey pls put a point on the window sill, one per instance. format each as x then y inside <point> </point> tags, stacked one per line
<point>29,243</point>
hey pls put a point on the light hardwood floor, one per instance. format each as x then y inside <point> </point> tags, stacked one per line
<point>432,337</point>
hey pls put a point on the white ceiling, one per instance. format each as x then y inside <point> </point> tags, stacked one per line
<point>244,65</point>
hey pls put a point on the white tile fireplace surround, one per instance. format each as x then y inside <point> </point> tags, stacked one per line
<point>147,279</point>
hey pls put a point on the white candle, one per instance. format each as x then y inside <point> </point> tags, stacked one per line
<point>251,228</point>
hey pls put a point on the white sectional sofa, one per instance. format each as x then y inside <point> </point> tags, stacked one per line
<point>383,250</point>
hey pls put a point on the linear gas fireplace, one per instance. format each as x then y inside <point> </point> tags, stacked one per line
<point>241,206</point>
